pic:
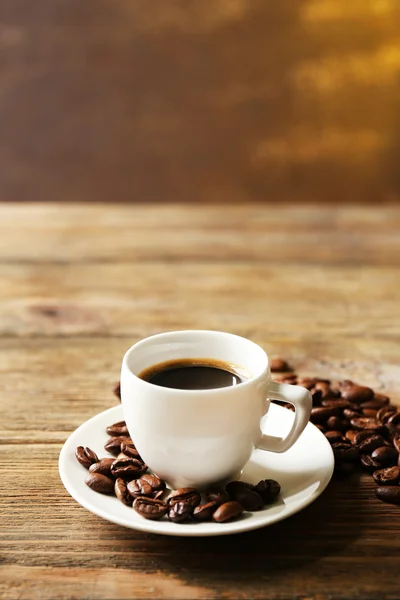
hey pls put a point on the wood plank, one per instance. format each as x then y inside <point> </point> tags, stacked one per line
<point>135,300</point>
<point>304,235</point>
<point>50,386</point>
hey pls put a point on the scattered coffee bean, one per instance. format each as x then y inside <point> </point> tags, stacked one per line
<point>113,444</point>
<point>357,393</point>
<point>128,468</point>
<point>389,493</point>
<point>155,482</point>
<point>86,456</point>
<point>396,442</point>
<point>228,511</point>
<point>158,495</point>
<point>103,467</point>
<point>139,487</point>
<point>150,508</point>
<point>321,414</point>
<point>249,499</point>
<point>118,429</point>
<point>279,365</point>
<point>351,435</point>
<point>204,512</point>
<point>334,436</point>
<point>345,452</point>
<point>236,486</point>
<point>100,483</point>
<point>180,512</point>
<point>269,490</point>
<point>334,423</point>
<point>218,496</point>
<point>366,423</point>
<point>130,450</point>
<point>189,495</point>
<point>369,463</point>
<point>388,476</point>
<point>385,456</point>
<point>121,491</point>
<point>370,443</point>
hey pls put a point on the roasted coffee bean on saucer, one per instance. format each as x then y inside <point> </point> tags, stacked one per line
<point>128,468</point>
<point>118,429</point>
<point>150,508</point>
<point>85,456</point>
<point>228,511</point>
<point>100,483</point>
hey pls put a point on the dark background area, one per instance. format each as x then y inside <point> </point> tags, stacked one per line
<point>200,100</point>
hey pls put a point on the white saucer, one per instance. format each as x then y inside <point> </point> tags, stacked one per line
<point>303,471</point>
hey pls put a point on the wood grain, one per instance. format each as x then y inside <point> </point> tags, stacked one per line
<point>200,101</point>
<point>80,284</point>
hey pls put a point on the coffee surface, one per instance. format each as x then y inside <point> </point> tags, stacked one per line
<point>192,374</point>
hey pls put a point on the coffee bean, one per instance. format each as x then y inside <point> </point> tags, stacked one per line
<point>366,423</point>
<point>204,512</point>
<point>121,491</point>
<point>218,496</point>
<point>389,494</point>
<point>190,495</point>
<point>396,442</point>
<point>86,456</point>
<point>307,382</point>
<point>150,508</point>
<point>139,487</point>
<point>369,463</point>
<point>350,435</point>
<point>280,365</point>
<point>321,414</point>
<point>269,490</point>
<point>385,413</point>
<point>228,511</point>
<point>158,495</point>
<point>336,402</point>
<point>357,394</point>
<point>385,456</point>
<point>369,412</point>
<point>249,499</point>
<point>128,468</point>
<point>100,483</point>
<point>290,379</point>
<point>233,487</point>
<point>180,511</point>
<point>117,390</point>
<point>103,467</point>
<point>382,398</point>
<point>113,444</point>
<point>155,482</point>
<point>118,429</point>
<point>394,419</point>
<point>388,476</point>
<point>363,435</point>
<point>345,452</point>
<point>369,444</point>
<point>374,403</point>
<point>316,396</point>
<point>130,451</point>
<point>334,423</point>
<point>334,436</point>
<point>325,388</point>
<point>349,413</point>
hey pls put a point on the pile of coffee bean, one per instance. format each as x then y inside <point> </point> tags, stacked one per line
<point>362,426</point>
<point>126,476</point>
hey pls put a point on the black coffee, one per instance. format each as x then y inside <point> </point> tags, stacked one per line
<point>192,374</point>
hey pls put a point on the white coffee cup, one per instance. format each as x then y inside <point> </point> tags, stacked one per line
<point>201,437</point>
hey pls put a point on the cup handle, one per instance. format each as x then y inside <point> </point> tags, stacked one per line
<point>301,399</point>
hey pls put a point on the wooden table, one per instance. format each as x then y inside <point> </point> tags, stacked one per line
<point>80,284</point>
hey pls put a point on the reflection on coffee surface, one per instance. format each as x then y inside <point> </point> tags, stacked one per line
<point>193,374</point>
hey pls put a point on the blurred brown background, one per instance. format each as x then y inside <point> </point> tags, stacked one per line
<point>200,100</point>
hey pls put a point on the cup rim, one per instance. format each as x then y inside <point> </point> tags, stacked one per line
<point>175,391</point>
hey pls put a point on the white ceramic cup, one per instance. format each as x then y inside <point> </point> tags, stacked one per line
<point>201,437</point>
